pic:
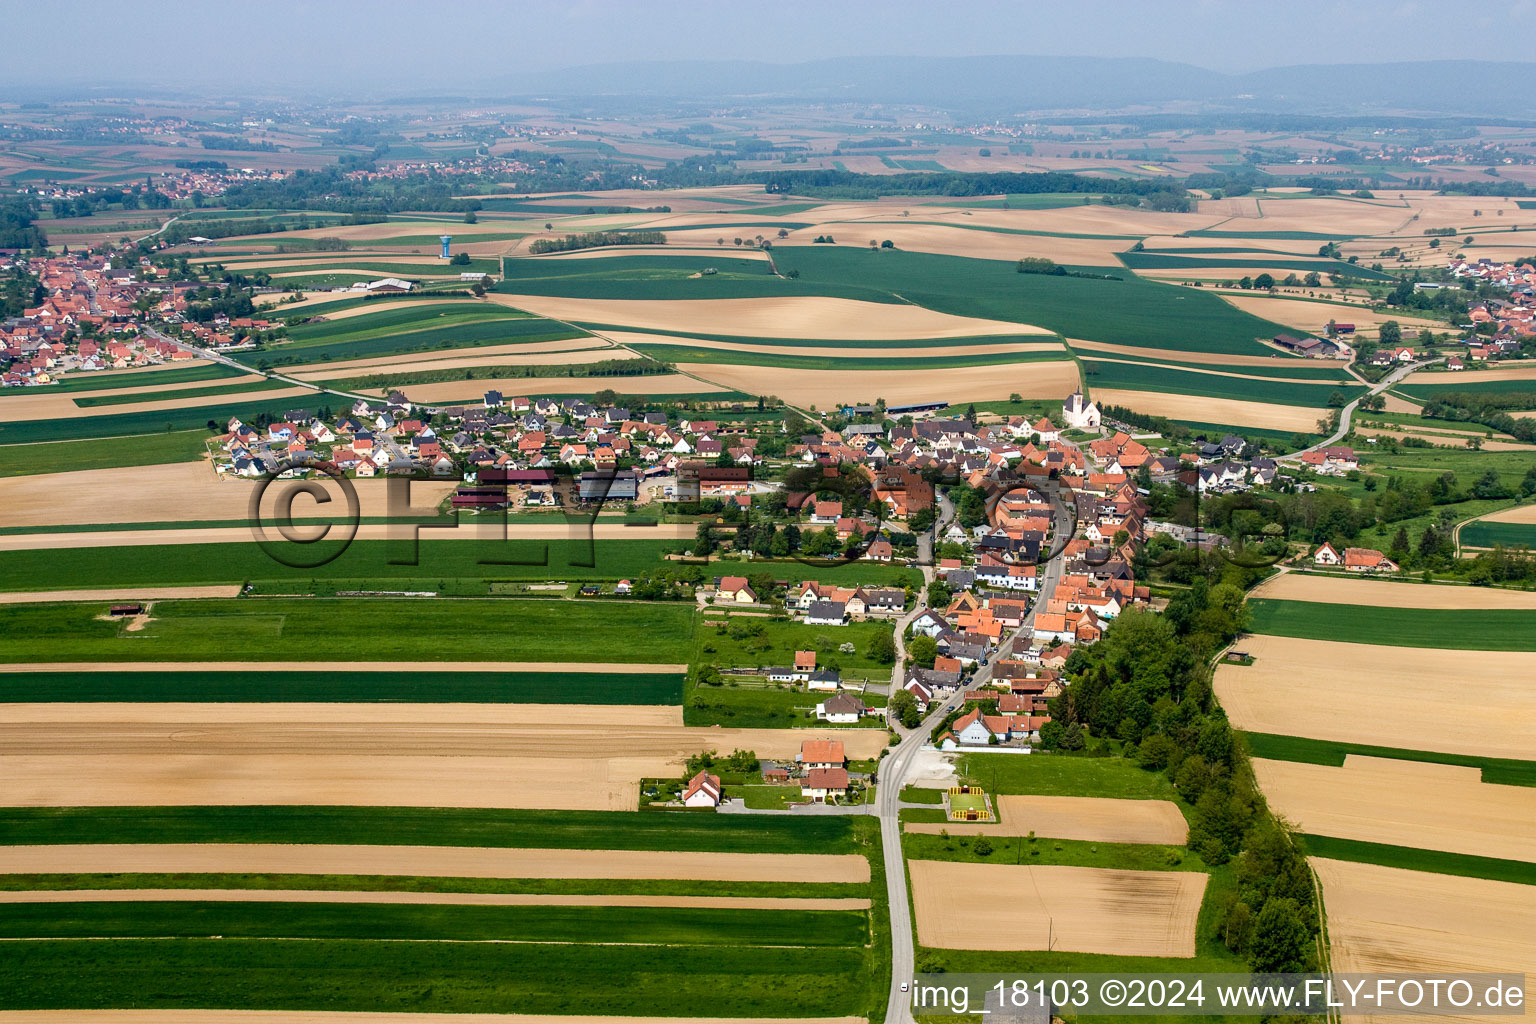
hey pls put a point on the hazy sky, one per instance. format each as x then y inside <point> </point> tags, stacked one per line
<point>273,45</point>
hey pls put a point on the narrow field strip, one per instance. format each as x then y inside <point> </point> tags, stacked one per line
<point>366,1017</point>
<point>491,899</point>
<point>388,531</point>
<point>465,862</point>
<point>612,668</point>
<point>118,594</point>
<point>1293,586</point>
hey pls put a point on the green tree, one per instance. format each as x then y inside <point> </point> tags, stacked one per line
<point>1281,940</point>
<point>882,648</point>
<point>1390,334</point>
<point>902,707</point>
<point>1264,282</point>
<point>922,650</point>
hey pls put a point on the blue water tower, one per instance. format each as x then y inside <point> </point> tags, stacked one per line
<point>445,239</point>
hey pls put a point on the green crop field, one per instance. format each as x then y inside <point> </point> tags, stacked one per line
<point>1168,261</point>
<point>1472,382</point>
<point>397,331</point>
<point>777,643</point>
<point>107,381</point>
<point>1498,629</point>
<point>573,687</point>
<point>937,344</point>
<point>215,391</point>
<point>682,354</point>
<point>1484,534</point>
<point>383,630</point>
<point>429,826</point>
<point>1282,368</point>
<point>1150,377</point>
<point>1413,859</point>
<point>457,977</point>
<point>427,922</point>
<point>103,453</point>
<point>1123,309</point>
<point>126,425</point>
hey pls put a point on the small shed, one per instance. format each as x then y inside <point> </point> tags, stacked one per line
<point>118,611</point>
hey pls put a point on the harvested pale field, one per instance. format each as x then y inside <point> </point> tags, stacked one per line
<point>1095,220</point>
<point>438,861</point>
<point>940,349</point>
<point>1203,358</point>
<point>1092,819</point>
<point>326,260</point>
<point>1259,247</point>
<point>1484,375</point>
<point>121,594</point>
<point>1362,693</point>
<point>490,355</point>
<point>61,405</point>
<point>461,899</point>
<point>1518,514</point>
<point>366,1017</point>
<point>1442,439</point>
<point>1396,404</point>
<point>1222,373</point>
<point>174,492</point>
<point>65,754</point>
<point>1295,586</point>
<point>1067,909</point>
<point>276,302</point>
<point>1306,315</point>
<point>1389,920</point>
<point>610,668</point>
<point>1404,803</point>
<point>648,384</point>
<point>484,530</point>
<point>824,388</point>
<point>1263,415</point>
<point>789,317</point>
<point>1326,216</point>
<point>357,273</point>
<point>711,250</point>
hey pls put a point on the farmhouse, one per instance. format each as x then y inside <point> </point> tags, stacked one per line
<point>827,613</point>
<point>816,754</point>
<point>1326,555</point>
<point>1367,560</point>
<point>735,590</point>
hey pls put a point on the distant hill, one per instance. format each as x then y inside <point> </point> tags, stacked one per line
<point>1017,84</point>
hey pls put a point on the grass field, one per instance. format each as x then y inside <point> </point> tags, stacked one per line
<point>1124,310</point>
<point>1485,629</point>
<point>348,687</point>
<point>1063,775</point>
<point>381,629</point>
<point>103,453</point>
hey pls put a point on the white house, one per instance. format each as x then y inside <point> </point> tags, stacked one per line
<point>1325,555</point>
<point>827,613</point>
<point>842,709</point>
<point>703,790</point>
<point>823,784</point>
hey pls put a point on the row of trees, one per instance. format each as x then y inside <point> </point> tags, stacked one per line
<point>1147,682</point>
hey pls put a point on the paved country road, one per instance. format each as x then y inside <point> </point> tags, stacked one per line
<point>1347,413</point>
<point>898,762</point>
